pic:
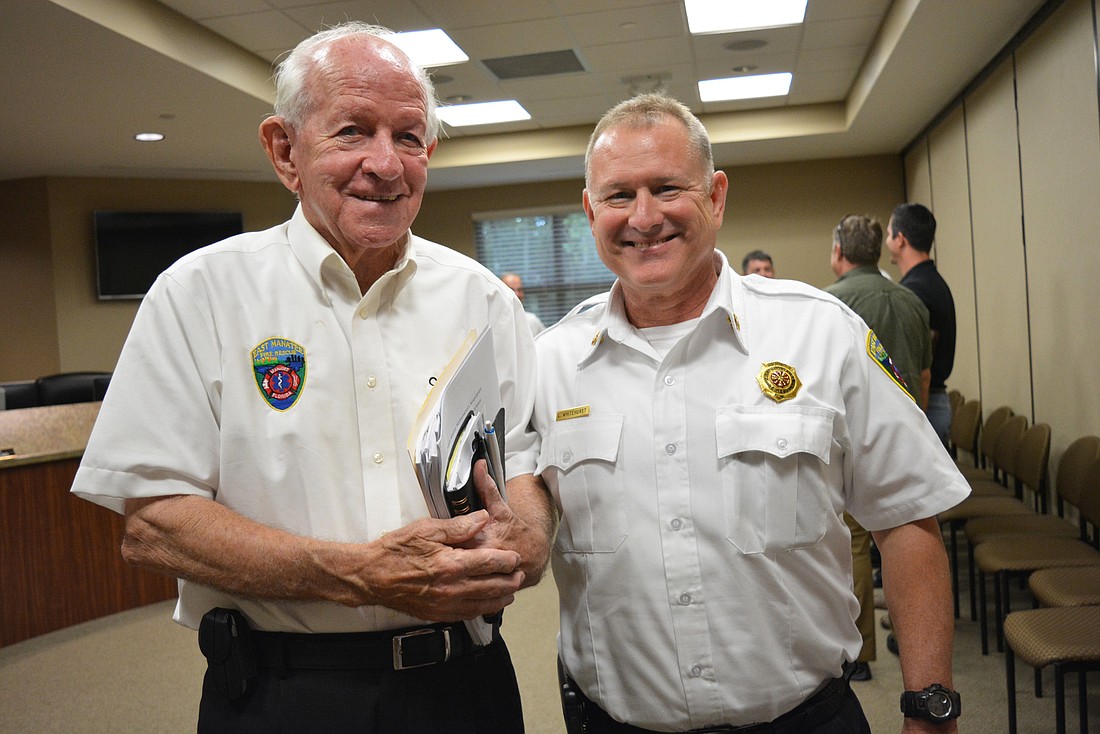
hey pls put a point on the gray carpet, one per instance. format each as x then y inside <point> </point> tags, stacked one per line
<point>139,672</point>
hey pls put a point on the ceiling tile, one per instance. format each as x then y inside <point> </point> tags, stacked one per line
<point>259,30</point>
<point>204,9</point>
<point>661,21</point>
<point>840,33</point>
<point>512,39</point>
<point>637,58</point>
<point>395,16</point>
<point>454,14</point>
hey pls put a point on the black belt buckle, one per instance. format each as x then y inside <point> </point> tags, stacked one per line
<point>419,655</point>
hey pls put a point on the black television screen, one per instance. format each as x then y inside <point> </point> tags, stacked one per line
<point>133,248</point>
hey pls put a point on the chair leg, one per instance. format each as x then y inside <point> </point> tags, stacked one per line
<point>970,581</point>
<point>1010,682</point>
<point>1083,701</point>
<point>1038,683</point>
<point>1060,699</point>
<point>1006,607</point>
<point>982,613</point>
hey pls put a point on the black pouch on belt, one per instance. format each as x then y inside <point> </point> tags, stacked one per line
<point>225,640</point>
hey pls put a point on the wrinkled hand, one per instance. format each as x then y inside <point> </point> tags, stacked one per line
<point>436,570</point>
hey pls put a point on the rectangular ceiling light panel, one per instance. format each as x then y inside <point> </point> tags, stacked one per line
<point>429,48</point>
<point>483,113</point>
<point>745,87</point>
<point>729,16</point>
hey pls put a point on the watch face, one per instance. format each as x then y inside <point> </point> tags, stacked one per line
<point>939,705</point>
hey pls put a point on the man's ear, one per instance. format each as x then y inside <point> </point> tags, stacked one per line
<point>277,137</point>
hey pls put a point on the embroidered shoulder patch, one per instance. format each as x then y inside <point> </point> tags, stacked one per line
<point>279,366</point>
<point>878,353</point>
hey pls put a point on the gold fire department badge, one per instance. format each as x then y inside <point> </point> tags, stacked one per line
<point>778,381</point>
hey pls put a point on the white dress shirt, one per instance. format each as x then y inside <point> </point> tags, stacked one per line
<point>187,413</point>
<point>703,565</point>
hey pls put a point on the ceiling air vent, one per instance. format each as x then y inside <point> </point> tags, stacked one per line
<point>529,65</point>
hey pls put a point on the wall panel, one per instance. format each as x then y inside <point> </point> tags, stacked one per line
<point>1000,283</point>
<point>1060,163</point>
<point>954,249</point>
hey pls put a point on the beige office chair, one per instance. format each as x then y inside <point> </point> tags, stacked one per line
<point>986,439</point>
<point>966,423</point>
<point>1010,556</point>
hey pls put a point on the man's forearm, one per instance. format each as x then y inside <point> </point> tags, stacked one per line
<point>415,569</point>
<point>917,583</point>
<point>530,500</point>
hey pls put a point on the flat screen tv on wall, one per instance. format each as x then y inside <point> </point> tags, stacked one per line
<point>133,248</point>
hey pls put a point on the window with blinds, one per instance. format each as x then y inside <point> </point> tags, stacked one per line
<point>554,253</point>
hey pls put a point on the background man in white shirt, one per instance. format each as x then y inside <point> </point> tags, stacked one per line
<point>702,435</point>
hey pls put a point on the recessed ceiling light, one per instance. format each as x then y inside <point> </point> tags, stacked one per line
<point>149,137</point>
<point>726,16</point>
<point>483,113</point>
<point>429,48</point>
<point>745,87</point>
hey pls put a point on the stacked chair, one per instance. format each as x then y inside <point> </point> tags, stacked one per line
<point>991,492</point>
<point>1065,631</point>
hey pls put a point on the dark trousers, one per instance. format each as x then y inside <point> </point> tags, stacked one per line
<point>476,693</point>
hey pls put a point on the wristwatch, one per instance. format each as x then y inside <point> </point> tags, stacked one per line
<point>935,703</point>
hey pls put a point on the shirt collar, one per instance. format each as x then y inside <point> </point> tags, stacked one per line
<point>317,256</point>
<point>726,302</point>
<point>860,270</point>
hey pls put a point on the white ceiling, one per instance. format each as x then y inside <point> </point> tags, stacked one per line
<point>81,77</point>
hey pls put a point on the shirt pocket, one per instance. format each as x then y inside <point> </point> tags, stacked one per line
<point>589,483</point>
<point>773,463</point>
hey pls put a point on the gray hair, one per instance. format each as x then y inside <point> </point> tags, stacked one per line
<point>292,96</point>
<point>649,110</point>
<point>860,239</point>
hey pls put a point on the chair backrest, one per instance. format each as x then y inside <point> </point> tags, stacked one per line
<point>956,399</point>
<point>989,430</point>
<point>1073,469</point>
<point>19,394</point>
<point>964,428</point>
<point>1032,457</point>
<point>1090,497</point>
<point>1007,444</point>
<point>68,387</point>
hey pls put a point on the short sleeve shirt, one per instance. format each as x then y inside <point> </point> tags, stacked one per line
<point>897,316</point>
<point>703,565</point>
<point>256,374</point>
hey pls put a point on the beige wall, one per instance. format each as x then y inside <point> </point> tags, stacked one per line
<point>1014,180</point>
<point>788,209</point>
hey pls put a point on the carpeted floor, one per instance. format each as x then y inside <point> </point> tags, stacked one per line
<point>139,672</point>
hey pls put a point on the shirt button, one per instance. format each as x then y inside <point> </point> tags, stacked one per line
<point>696,671</point>
<point>670,449</point>
<point>677,524</point>
<point>670,380</point>
<point>685,599</point>
<point>781,444</point>
<point>372,382</point>
<point>378,458</point>
<point>567,457</point>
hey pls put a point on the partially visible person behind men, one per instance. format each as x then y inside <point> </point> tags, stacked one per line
<point>758,262</point>
<point>909,237</point>
<point>899,325</point>
<point>702,435</point>
<point>515,282</point>
<point>255,434</point>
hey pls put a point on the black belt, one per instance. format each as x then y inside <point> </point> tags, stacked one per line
<point>813,712</point>
<point>402,649</point>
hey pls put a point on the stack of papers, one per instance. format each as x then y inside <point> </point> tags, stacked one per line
<point>452,432</point>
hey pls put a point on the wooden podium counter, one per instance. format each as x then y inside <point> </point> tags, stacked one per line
<point>60,562</point>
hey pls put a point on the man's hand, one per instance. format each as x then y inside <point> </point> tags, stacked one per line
<point>525,523</point>
<point>438,570</point>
